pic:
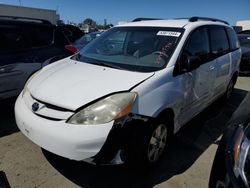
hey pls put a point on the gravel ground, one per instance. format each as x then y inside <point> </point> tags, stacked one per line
<point>186,164</point>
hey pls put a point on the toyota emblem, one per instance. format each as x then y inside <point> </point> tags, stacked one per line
<point>35,106</point>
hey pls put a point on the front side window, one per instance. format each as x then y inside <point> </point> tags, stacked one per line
<point>143,49</point>
<point>198,44</point>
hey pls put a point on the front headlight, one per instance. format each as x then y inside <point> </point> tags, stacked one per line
<point>105,110</point>
<point>242,156</point>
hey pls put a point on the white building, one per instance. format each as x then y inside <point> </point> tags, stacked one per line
<point>46,14</point>
<point>245,24</point>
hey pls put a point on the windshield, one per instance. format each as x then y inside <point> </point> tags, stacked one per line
<point>244,41</point>
<point>143,49</point>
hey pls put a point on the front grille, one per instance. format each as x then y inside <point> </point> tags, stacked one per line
<point>47,111</point>
<point>53,107</point>
<point>49,118</point>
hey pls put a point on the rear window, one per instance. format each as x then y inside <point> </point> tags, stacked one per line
<point>234,43</point>
<point>219,41</point>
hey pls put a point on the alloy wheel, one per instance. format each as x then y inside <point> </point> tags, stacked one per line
<point>157,143</point>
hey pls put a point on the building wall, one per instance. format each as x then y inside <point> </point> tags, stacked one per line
<point>245,24</point>
<point>9,10</point>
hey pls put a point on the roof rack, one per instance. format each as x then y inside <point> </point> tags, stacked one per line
<point>196,18</point>
<point>25,19</point>
<point>145,19</point>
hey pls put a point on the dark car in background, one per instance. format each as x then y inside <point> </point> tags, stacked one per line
<point>244,40</point>
<point>231,167</point>
<point>72,32</point>
<point>26,46</point>
<point>87,38</point>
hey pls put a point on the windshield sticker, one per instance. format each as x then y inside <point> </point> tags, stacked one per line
<point>169,33</point>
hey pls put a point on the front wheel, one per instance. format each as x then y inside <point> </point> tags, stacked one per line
<point>157,143</point>
<point>148,144</point>
<point>230,88</point>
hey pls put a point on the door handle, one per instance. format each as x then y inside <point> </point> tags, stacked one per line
<point>211,68</point>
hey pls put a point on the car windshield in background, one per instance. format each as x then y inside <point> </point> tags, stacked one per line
<point>87,38</point>
<point>142,49</point>
<point>244,40</point>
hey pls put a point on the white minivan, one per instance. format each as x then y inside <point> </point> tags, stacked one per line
<point>122,96</point>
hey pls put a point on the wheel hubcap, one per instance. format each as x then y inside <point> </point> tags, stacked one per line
<point>157,143</point>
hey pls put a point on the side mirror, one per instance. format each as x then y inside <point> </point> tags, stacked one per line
<point>189,63</point>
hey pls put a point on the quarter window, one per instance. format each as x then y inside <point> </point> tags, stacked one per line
<point>234,43</point>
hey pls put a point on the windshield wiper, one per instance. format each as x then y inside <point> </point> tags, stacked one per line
<point>106,65</point>
<point>76,57</point>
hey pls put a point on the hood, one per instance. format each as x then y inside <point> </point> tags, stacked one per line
<point>71,84</point>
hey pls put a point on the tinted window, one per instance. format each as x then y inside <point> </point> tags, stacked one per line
<point>12,38</point>
<point>198,44</point>
<point>219,41</point>
<point>39,36</point>
<point>60,38</point>
<point>234,43</point>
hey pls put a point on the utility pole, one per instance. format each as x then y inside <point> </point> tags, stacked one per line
<point>20,3</point>
<point>105,22</point>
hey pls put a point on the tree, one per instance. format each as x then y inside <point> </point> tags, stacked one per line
<point>90,22</point>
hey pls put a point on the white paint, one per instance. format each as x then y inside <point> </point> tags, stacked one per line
<point>70,84</point>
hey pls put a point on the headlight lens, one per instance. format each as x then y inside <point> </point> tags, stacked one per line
<point>105,110</point>
<point>242,155</point>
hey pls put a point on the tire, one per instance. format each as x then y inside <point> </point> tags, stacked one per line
<point>157,143</point>
<point>148,144</point>
<point>229,91</point>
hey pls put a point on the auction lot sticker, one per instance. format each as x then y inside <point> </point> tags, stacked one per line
<point>168,33</point>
